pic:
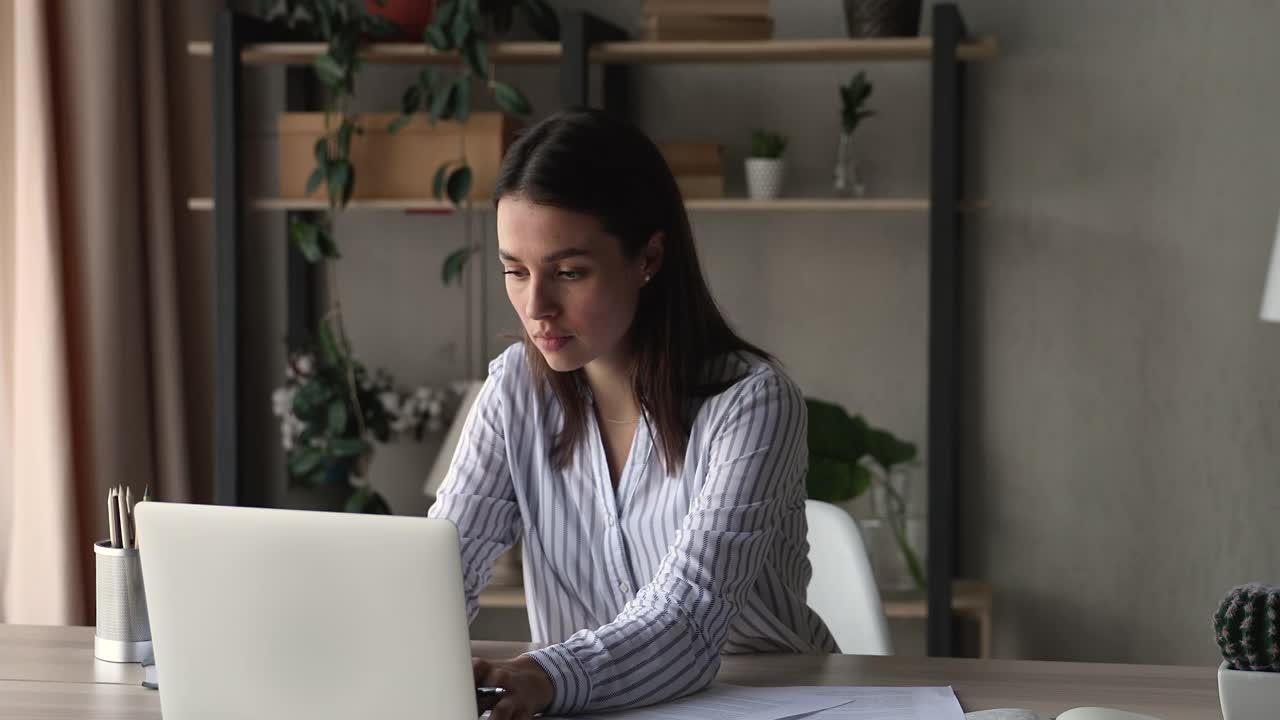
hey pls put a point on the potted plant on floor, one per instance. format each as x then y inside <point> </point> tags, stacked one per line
<point>1247,628</point>
<point>765,167</point>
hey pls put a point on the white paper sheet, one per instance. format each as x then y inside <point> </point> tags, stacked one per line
<point>735,702</point>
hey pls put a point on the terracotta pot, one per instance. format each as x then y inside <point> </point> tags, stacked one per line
<point>412,16</point>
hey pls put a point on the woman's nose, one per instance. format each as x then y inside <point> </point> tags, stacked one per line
<point>540,303</point>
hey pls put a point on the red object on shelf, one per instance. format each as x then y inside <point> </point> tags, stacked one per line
<point>412,16</point>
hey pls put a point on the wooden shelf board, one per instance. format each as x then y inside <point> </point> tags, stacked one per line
<point>392,53</point>
<point>206,204</point>
<point>803,50</point>
<point>631,52</point>
<point>717,204</point>
<point>968,597</point>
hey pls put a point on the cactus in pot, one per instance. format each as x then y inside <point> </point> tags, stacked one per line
<point>1247,629</point>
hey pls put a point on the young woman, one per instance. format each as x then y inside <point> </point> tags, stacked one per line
<point>653,461</point>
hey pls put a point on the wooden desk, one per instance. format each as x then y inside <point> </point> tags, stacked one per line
<point>50,673</point>
<point>969,599</point>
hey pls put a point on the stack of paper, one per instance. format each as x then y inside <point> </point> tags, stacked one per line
<point>732,702</point>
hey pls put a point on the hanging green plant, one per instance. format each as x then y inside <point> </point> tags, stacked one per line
<point>467,26</point>
<point>334,410</point>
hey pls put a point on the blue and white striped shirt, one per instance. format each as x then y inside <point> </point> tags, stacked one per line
<point>644,587</point>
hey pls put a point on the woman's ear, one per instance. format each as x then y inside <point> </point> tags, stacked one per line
<point>653,255</point>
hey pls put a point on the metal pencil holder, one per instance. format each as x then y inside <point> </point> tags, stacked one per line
<point>123,632</point>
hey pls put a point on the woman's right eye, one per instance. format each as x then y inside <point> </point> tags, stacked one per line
<point>514,273</point>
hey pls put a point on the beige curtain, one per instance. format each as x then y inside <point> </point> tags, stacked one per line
<point>90,319</point>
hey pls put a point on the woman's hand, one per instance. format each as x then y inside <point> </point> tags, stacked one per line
<point>529,688</point>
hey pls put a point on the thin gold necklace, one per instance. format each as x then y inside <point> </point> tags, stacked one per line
<point>619,422</point>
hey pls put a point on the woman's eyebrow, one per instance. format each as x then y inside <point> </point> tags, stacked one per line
<point>553,257</point>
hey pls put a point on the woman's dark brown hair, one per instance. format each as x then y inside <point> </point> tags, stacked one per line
<point>590,162</point>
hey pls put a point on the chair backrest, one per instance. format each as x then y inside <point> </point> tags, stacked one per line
<point>843,590</point>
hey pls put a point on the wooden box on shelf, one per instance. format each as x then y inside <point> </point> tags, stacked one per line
<point>697,168</point>
<point>397,165</point>
<point>713,8</point>
<point>713,28</point>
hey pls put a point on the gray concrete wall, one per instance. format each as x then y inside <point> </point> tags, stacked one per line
<point>1120,393</point>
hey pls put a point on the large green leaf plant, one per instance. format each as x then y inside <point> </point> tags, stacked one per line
<point>847,455</point>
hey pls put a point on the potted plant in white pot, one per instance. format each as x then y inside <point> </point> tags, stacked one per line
<point>765,167</point>
<point>1247,627</point>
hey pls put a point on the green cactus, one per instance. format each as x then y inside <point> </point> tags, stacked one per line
<point>1247,627</point>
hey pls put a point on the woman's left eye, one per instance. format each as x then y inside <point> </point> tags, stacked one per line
<point>570,274</point>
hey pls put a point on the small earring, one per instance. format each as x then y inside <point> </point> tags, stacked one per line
<point>646,278</point>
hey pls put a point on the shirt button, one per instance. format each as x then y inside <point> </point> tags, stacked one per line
<point>611,521</point>
<point>624,587</point>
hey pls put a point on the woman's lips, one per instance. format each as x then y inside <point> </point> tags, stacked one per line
<point>552,343</point>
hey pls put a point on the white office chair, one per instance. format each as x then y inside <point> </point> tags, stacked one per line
<point>843,591</point>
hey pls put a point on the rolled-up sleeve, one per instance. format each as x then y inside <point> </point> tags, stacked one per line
<point>476,493</point>
<point>666,642</point>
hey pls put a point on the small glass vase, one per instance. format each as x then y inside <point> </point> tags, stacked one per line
<point>898,557</point>
<point>846,180</point>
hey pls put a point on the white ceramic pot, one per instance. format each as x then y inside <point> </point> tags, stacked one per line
<point>764,177</point>
<point>1248,694</point>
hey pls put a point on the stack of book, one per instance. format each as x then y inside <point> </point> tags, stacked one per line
<point>707,20</point>
<point>697,167</point>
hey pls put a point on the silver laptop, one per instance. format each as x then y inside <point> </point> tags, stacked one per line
<point>279,614</point>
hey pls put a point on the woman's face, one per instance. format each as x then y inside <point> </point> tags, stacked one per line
<point>569,282</point>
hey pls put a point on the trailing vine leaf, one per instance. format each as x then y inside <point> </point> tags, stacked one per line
<point>350,187</point>
<point>381,26</point>
<point>399,122</point>
<point>459,184</point>
<point>344,137</point>
<point>339,174</point>
<point>436,37</point>
<point>330,71</point>
<point>329,349</point>
<point>410,101</point>
<point>328,248</point>
<point>462,100</point>
<point>313,182</point>
<point>453,265</point>
<point>461,26</point>
<point>304,235</point>
<point>438,180</point>
<point>442,103</point>
<point>436,33</point>
<point>321,150</point>
<point>477,57</point>
<point>510,99</point>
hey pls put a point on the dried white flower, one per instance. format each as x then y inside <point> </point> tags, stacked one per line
<point>305,364</point>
